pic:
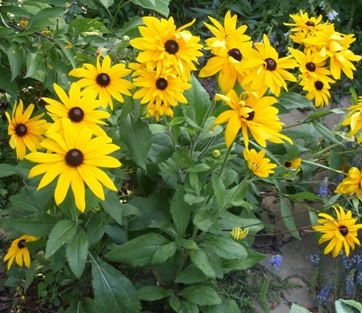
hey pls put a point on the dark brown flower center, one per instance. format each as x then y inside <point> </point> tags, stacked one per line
<point>171,46</point>
<point>310,66</point>
<point>318,85</point>
<point>21,130</point>
<point>251,115</point>
<point>271,65</point>
<point>343,230</point>
<point>103,79</point>
<point>76,114</point>
<point>161,83</point>
<point>21,244</point>
<point>236,54</point>
<point>74,158</point>
<point>310,23</point>
<point>287,164</point>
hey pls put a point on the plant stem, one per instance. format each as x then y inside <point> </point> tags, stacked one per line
<point>323,166</point>
<point>225,159</point>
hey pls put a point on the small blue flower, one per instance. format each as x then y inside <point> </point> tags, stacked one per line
<point>350,285</point>
<point>348,262</point>
<point>356,162</point>
<point>276,261</point>
<point>359,278</point>
<point>323,190</point>
<point>358,259</point>
<point>323,294</point>
<point>315,258</point>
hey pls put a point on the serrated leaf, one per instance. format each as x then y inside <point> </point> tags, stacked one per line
<point>224,247</point>
<point>200,295</point>
<point>113,291</point>
<point>60,234</point>
<point>288,218</point>
<point>180,212</point>
<point>139,251</point>
<point>77,251</point>
<point>153,293</point>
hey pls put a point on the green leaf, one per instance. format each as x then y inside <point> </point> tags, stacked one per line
<point>288,218</point>
<point>112,206</point>
<point>292,100</point>
<point>191,275</point>
<point>200,259</point>
<point>11,87</point>
<point>180,212</point>
<point>319,114</point>
<point>203,221</point>
<point>68,51</point>
<point>342,306</point>
<point>36,224</point>
<point>174,303</point>
<point>132,25</point>
<point>89,27</point>
<point>161,147</point>
<point>253,258</point>
<point>49,13</point>
<point>137,137</point>
<point>139,251</point>
<point>77,250</point>
<point>164,253</point>
<point>201,295</point>
<point>15,55</point>
<point>113,291</point>
<point>219,189</point>
<point>106,3</point>
<point>224,247</point>
<point>160,6</point>
<point>183,158</point>
<point>7,170</point>
<point>95,227</point>
<point>60,234</point>
<point>303,195</point>
<point>33,62</point>
<point>227,306</point>
<point>153,293</point>
<point>296,308</point>
<point>326,133</point>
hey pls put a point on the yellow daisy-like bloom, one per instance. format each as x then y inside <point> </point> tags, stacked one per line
<point>293,164</point>
<point>266,68</point>
<point>228,46</point>
<point>251,113</point>
<point>257,163</point>
<point>106,80</point>
<point>152,110</point>
<point>163,46</point>
<point>238,233</point>
<point>75,158</point>
<point>19,252</point>
<point>352,184</point>
<point>318,90</point>
<point>159,89</point>
<point>81,109</point>
<point>341,232</point>
<point>25,132</point>
<point>354,119</point>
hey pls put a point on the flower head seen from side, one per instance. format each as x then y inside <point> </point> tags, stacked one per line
<point>293,164</point>
<point>106,80</point>
<point>238,233</point>
<point>252,113</point>
<point>163,46</point>
<point>76,158</point>
<point>266,68</point>
<point>318,90</point>
<point>352,184</point>
<point>258,164</point>
<point>341,232</point>
<point>81,109</point>
<point>354,120</point>
<point>25,132</point>
<point>18,252</point>
<point>228,48</point>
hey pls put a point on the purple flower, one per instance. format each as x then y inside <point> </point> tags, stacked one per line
<point>359,278</point>
<point>350,285</point>
<point>323,190</point>
<point>276,261</point>
<point>323,294</point>
<point>315,258</point>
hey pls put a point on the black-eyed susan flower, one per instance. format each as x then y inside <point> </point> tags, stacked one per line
<point>293,164</point>
<point>257,163</point>
<point>341,232</point>
<point>238,233</point>
<point>18,252</point>
<point>25,132</point>
<point>81,109</point>
<point>318,90</point>
<point>157,112</point>
<point>267,69</point>
<point>76,158</point>
<point>251,113</point>
<point>163,46</point>
<point>106,80</point>
<point>352,184</point>
<point>228,47</point>
<point>354,120</point>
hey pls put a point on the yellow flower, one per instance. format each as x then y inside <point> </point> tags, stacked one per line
<point>293,163</point>
<point>267,69</point>
<point>251,113</point>
<point>256,162</point>
<point>19,252</point>
<point>354,119</point>
<point>163,46</point>
<point>238,233</point>
<point>106,80</point>
<point>341,232</point>
<point>228,46</point>
<point>75,158</point>
<point>25,132</point>
<point>318,90</point>
<point>352,184</point>
<point>152,110</point>
<point>81,109</point>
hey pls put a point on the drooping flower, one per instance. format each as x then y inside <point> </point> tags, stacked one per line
<point>25,132</point>
<point>238,233</point>
<point>318,90</point>
<point>163,46</point>
<point>19,252</point>
<point>251,113</point>
<point>293,164</point>
<point>81,109</point>
<point>257,163</point>
<point>157,112</point>
<point>266,68</point>
<point>76,158</point>
<point>228,47</point>
<point>354,120</point>
<point>352,184</point>
<point>106,80</point>
<point>341,232</point>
